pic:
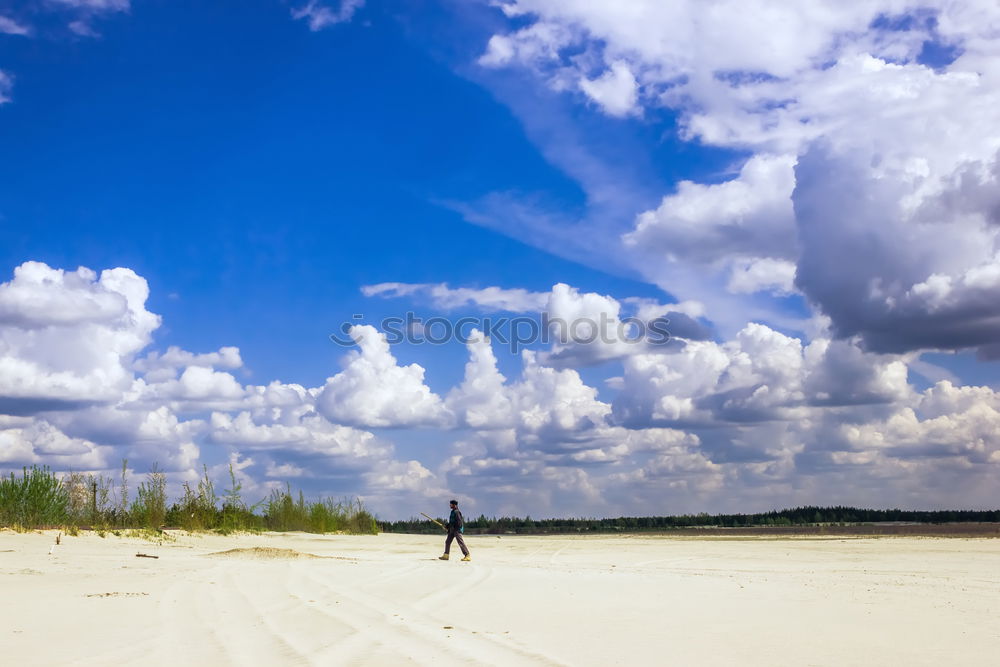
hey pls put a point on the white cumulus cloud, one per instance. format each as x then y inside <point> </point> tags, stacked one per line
<point>374,391</point>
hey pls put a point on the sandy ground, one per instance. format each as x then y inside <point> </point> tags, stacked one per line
<point>386,600</point>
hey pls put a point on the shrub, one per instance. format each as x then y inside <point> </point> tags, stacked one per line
<point>149,509</point>
<point>325,516</point>
<point>35,499</point>
<point>358,520</point>
<point>283,513</point>
<point>197,509</point>
<point>89,499</point>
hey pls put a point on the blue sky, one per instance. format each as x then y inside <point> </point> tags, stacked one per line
<point>258,170</point>
<point>267,168</point>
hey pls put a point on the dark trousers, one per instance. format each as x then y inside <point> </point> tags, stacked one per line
<point>455,535</point>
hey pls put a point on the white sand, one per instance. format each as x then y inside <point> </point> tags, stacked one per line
<point>386,600</point>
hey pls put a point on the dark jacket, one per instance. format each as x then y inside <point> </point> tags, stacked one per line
<point>456,523</point>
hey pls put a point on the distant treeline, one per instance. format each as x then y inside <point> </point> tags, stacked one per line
<point>38,498</point>
<point>799,516</point>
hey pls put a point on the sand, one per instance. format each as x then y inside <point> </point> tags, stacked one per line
<point>386,600</point>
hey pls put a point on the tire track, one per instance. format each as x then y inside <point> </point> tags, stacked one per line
<point>417,635</point>
<point>228,619</point>
<point>555,554</point>
<point>480,575</point>
<point>369,634</point>
<point>277,612</point>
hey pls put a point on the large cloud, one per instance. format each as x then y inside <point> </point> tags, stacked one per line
<point>690,49</point>
<point>749,216</point>
<point>546,405</point>
<point>308,433</point>
<point>886,110</point>
<point>374,391</point>
<point>580,328</point>
<point>744,226</point>
<point>68,338</point>
<point>945,422</point>
<point>762,375</point>
<point>36,441</point>
<point>925,270</point>
<point>481,401</point>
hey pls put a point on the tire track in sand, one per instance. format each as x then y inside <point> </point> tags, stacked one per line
<point>410,633</point>
<point>214,610</point>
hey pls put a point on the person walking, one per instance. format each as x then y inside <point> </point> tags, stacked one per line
<point>455,527</point>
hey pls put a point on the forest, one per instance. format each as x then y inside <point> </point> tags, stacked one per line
<point>799,516</point>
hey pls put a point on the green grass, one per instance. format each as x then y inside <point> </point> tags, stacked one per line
<point>284,513</point>
<point>39,498</point>
<point>35,499</point>
<point>149,509</point>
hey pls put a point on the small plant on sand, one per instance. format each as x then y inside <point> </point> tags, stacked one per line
<point>236,516</point>
<point>150,506</point>
<point>100,505</point>
<point>198,508</point>
<point>121,509</point>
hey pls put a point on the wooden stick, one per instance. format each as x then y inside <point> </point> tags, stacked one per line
<point>145,556</point>
<point>436,521</point>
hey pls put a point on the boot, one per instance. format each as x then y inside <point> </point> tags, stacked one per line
<point>444,557</point>
<point>467,557</point>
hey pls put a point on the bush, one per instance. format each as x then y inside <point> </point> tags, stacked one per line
<point>36,499</point>
<point>325,516</point>
<point>358,520</point>
<point>149,510</point>
<point>197,509</point>
<point>236,516</point>
<point>283,513</point>
<point>89,500</point>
